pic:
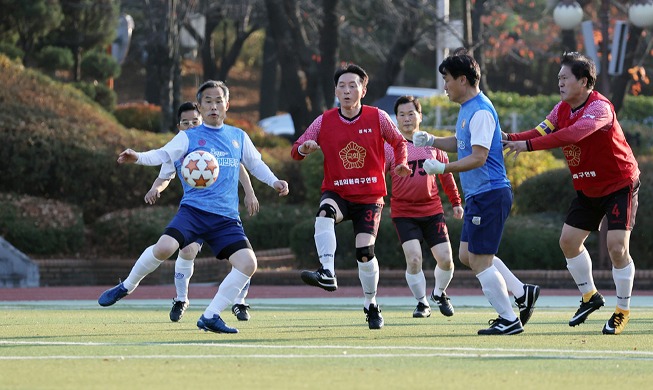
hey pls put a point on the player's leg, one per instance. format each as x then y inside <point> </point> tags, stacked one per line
<point>240,308</point>
<point>415,277</point>
<point>329,213</point>
<point>525,294</point>
<point>184,268</point>
<point>243,262</point>
<point>410,236</point>
<point>151,258</point>
<point>437,237</point>
<point>366,219</point>
<point>624,203</point>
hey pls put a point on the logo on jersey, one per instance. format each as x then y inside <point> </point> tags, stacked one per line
<point>463,123</point>
<point>235,144</point>
<point>572,154</point>
<point>476,220</point>
<point>352,156</point>
<point>461,144</point>
<point>201,142</point>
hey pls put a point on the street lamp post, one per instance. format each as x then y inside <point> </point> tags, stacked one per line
<point>568,14</point>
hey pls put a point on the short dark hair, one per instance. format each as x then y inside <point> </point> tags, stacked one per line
<point>351,68</point>
<point>212,84</point>
<point>581,66</point>
<point>186,106</point>
<point>408,99</point>
<point>461,64</point>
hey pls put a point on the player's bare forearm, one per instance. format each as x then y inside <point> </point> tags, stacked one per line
<point>448,144</point>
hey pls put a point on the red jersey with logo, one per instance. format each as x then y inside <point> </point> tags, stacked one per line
<point>354,157</point>
<point>417,195</point>
<point>599,158</point>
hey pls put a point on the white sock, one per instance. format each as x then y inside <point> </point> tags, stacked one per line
<point>515,286</point>
<point>240,299</point>
<point>325,242</point>
<point>494,289</point>
<point>580,268</point>
<point>227,292</point>
<point>368,273</point>
<point>417,284</point>
<point>183,271</point>
<point>442,279</point>
<point>623,281</point>
<point>144,266</point>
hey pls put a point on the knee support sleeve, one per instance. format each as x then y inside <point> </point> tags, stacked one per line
<point>329,211</point>
<point>365,253</point>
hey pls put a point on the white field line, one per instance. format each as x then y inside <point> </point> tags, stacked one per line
<point>401,351</point>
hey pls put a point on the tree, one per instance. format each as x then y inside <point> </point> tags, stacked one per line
<point>87,24</point>
<point>30,20</point>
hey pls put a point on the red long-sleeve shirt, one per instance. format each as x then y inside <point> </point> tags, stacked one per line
<point>598,156</point>
<point>354,157</point>
<point>417,195</point>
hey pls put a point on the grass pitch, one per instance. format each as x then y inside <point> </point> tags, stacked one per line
<point>313,344</point>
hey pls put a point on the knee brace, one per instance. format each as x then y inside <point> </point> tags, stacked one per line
<point>365,254</point>
<point>329,211</point>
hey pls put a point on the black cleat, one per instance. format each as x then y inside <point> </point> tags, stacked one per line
<point>241,311</point>
<point>422,311</point>
<point>587,308</point>
<point>526,304</point>
<point>373,317</point>
<point>178,310</point>
<point>443,303</point>
<point>501,326</point>
<point>321,278</point>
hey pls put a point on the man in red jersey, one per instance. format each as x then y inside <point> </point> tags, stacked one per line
<point>351,139</point>
<point>417,212</point>
<point>606,179</point>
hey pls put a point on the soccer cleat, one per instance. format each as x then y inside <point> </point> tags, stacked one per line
<point>321,278</point>
<point>241,311</point>
<point>112,295</point>
<point>617,322</point>
<point>587,308</point>
<point>178,310</point>
<point>422,311</point>
<point>215,325</point>
<point>502,326</point>
<point>373,317</point>
<point>443,303</point>
<point>526,304</point>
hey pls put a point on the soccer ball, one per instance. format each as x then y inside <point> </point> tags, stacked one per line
<point>199,169</point>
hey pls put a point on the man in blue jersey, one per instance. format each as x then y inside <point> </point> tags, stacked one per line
<point>210,214</point>
<point>487,191</point>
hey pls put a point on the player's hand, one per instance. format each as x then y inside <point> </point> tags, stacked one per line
<point>152,196</point>
<point>403,170</point>
<point>308,147</point>
<point>282,187</point>
<point>251,203</point>
<point>422,138</point>
<point>504,136</point>
<point>514,147</point>
<point>127,156</point>
<point>458,212</point>
<point>433,167</point>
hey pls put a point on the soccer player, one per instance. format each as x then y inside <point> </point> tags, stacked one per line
<point>210,214</point>
<point>487,191</point>
<point>188,115</point>
<point>417,212</point>
<point>605,175</point>
<point>351,139</point>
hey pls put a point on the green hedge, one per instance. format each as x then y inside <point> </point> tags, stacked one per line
<point>41,226</point>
